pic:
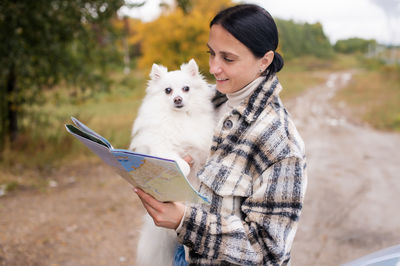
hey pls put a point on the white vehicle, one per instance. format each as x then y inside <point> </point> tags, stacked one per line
<point>385,257</point>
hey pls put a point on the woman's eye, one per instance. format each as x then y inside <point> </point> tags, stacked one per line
<point>186,88</point>
<point>228,60</point>
<point>211,52</point>
<point>168,90</point>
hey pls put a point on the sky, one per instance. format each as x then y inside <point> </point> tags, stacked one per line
<point>340,19</point>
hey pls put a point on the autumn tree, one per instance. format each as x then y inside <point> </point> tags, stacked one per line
<point>44,42</point>
<point>126,29</point>
<point>179,35</point>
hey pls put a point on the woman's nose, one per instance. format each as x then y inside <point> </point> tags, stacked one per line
<point>214,67</point>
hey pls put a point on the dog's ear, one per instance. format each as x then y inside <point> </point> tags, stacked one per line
<point>191,68</point>
<point>157,71</point>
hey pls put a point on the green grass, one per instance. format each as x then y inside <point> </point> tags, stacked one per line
<point>303,73</point>
<point>45,146</point>
<point>111,113</point>
<point>374,97</point>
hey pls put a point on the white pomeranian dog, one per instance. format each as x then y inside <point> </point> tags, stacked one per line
<point>176,118</point>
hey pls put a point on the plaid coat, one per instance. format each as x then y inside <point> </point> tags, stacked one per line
<point>255,178</point>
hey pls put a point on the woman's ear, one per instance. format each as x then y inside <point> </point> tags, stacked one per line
<point>266,60</point>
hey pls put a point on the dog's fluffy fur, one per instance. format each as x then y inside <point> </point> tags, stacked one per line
<point>176,118</point>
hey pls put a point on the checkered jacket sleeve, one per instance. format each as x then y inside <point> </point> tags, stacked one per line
<point>256,179</point>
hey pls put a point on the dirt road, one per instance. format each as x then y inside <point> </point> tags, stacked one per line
<point>352,202</point>
<point>89,216</point>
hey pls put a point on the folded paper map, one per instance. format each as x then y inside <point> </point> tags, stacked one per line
<point>159,177</point>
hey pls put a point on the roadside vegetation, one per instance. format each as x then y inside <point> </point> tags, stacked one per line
<point>373,96</point>
<point>104,88</point>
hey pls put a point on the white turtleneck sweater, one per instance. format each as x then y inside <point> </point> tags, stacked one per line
<point>235,98</point>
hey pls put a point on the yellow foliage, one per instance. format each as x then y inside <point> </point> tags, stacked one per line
<point>213,6</point>
<point>175,38</point>
<point>118,24</point>
<point>134,28</point>
<point>127,27</point>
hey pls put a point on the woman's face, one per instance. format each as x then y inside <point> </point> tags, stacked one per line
<point>231,62</point>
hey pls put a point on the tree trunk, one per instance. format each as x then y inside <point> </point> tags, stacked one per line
<point>127,68</point>
<point>12,104</point>
<point>3,115</point>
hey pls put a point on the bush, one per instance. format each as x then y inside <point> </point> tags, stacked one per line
<point>354,45</point>
<point>298,39</point>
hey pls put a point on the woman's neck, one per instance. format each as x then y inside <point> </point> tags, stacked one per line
<point>235,98</point>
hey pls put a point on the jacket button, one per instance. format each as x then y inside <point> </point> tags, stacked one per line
<point>228,124</point>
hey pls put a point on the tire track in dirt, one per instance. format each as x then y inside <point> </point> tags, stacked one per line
<point>351,206</point>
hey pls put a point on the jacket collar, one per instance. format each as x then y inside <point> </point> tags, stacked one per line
<point>253,105</point>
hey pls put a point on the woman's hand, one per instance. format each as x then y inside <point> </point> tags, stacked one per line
<point>164,214</point>
<point>189,160</point>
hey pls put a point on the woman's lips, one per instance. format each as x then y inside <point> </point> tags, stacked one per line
<point>221,80</point>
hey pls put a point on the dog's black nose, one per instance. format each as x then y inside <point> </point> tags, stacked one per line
<point>178,100</point>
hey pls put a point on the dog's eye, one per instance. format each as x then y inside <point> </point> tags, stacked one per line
<point>186,88</point>
<point>168,90</point>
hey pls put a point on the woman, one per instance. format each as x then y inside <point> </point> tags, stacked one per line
<point>255,175</point>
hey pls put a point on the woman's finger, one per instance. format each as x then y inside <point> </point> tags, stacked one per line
<point>148,199</point>
<point>189,160</point>
<point>152,212</point>
<point>146,205</point>
<point>166,215</point>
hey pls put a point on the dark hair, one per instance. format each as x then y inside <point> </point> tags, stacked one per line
<point>253,26</point>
